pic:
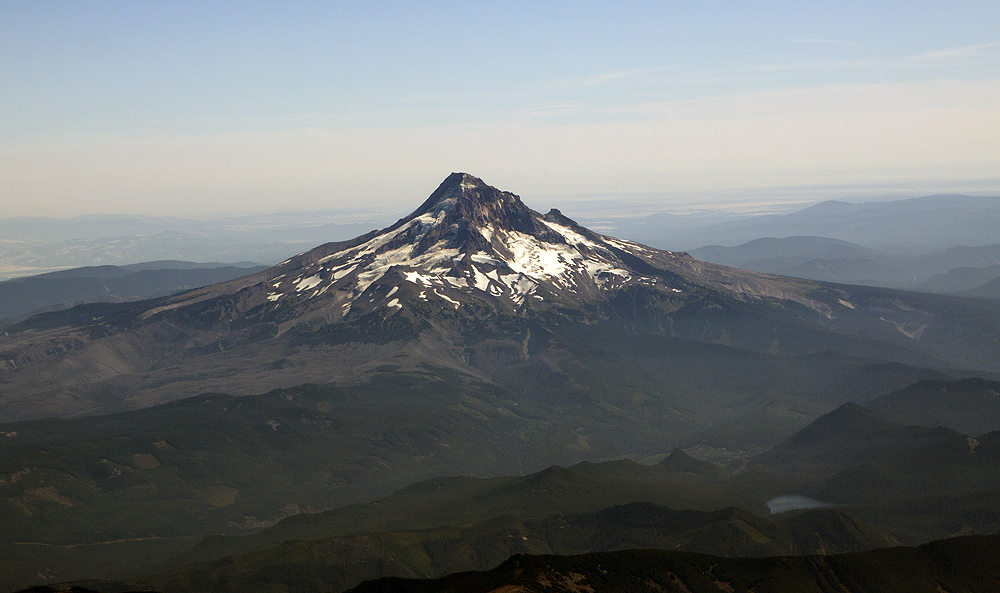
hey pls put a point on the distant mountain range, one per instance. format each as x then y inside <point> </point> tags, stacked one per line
<point>956,270</point>
<point>62,289</point>
<point>31,246</point>
<point>899,227</point>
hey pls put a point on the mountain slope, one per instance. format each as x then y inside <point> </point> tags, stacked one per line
<point>970,406</point>
<point>989,290</point>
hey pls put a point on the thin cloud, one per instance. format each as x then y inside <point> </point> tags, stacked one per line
<point>425,98</point>
<point>835,65</point>
<point>745,50</point>
<point>967,51</point>
<point>926,59</point>
<point>838,42</point>
<point>608,78</point>
<point>554,108</point>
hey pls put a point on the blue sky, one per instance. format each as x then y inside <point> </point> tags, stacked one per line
<point>197,109</point>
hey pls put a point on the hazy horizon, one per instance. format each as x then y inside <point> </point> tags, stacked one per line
<point>738,201</point>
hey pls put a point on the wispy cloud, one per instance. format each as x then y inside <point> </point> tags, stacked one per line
<point>733,48</point>
<point>950,53</point>
<point>819,65</point>
<point>932,58</point>
<point>827,42</point>
<point>614,77</point>
<point>553,108</point>
<point>424,98</point>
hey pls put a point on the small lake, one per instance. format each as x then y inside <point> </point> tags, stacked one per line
<point>794,502</point>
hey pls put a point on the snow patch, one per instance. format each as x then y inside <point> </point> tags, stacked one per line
<point>570,235</point>
<point>487,232</point>
<point>482,258</point>
<point>531,258</point>
<point>417,278</point>
<point>307,283</point>
<point>450,300</point>
<point>342,271</point>
<point>628,245</point>
<point>482,280</point>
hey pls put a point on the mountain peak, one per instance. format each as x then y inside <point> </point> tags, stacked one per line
<point>464,199</point>
<point>680,461</point>
<point>847,420</point>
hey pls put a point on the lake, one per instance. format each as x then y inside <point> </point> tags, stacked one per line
<point>794,502</point>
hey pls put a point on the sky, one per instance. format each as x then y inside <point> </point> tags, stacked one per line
<point>200,109</point>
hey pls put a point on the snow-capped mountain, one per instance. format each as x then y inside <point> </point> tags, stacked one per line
<point>470,242</point>
<point>473,281</point>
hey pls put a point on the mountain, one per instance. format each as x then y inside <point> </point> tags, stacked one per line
<point>843,438</point>
<point>853,436</point>
<point>970,406</point>
<point>905,479</point>
<point>964,257</point>
<point>112,284</point>
<point>990,290</point>
<point>473,281</point>
<point>816,258</point>
<point>956,270</point>
<point>900,227</point>
<point>475,367</point>
<point>679,461</point>
<point>953,270</point>
<point>927,223</point>
<point>965,280</point>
